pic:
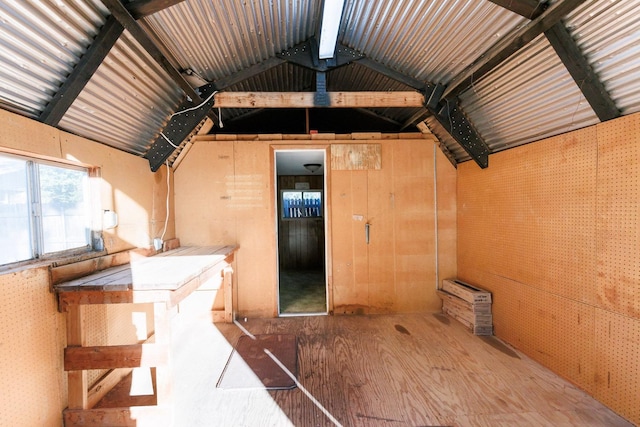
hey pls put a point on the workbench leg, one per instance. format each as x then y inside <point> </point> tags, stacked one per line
<point>76,336</point>
<point>227,283</point>
<point>164,374</point>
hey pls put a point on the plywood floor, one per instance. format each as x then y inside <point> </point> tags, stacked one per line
<point>400,370</point>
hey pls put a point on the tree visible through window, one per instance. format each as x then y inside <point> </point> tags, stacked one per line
<point>44,208</point>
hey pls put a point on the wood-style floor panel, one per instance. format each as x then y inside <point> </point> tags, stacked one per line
<point>400,370</point>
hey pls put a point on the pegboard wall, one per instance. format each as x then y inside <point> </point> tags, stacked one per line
<point>32,342</point>
<point>552,229</point>
<point>618,224</point>
<point>116,324</point>
<point>32,339</point>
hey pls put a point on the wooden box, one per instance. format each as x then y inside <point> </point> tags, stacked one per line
<point>466,292</point>
<point>468,304</point>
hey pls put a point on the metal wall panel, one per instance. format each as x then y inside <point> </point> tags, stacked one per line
<point>608,32</point>
<point>431,40</point>
<point>529,97</point>
<point>219,38</point>
<point>40,43</point>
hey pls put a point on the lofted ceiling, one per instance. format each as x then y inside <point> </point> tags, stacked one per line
<point>143,76</point>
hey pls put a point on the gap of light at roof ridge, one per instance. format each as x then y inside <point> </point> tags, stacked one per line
<point>331,16</point>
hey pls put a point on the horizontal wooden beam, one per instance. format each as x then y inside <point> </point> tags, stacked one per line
<point>119,356</point>
<point>307,99</point>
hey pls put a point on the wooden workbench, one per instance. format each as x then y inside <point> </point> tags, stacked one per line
<point>163,280</point>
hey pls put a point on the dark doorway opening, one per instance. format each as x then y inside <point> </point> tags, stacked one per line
<point>302,285</point>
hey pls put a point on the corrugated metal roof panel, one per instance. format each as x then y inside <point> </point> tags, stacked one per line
<point>231,35</point>
<point>608,32</point>
<point>431,40</point>
<point>126,102</point>
<point>355,77</point>
<point>40,43</point>
<point>529,97</point>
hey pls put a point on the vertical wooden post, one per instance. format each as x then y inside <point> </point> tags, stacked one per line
<point>228,294</point>
<point>76,336</point>
<point>164,373</point>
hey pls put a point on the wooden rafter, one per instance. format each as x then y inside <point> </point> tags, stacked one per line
<point>394,75</point>
<point>502,50</point>
<point>121,13</point>
<point>572,57</point>
<point>82,72</point>
<point>141,8</point>
<point>93,57</point>
<point>530,9</point>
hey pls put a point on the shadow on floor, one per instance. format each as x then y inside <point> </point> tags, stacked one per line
<point>303,291</point>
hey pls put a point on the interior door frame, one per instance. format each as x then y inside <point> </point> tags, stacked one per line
<point>326,148</point>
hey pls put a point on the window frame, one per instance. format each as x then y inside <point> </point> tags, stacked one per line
<point>34,196</point>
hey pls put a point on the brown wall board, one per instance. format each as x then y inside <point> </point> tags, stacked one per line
<point>32,331</point>
<point>395,272</point>
<point>618,209</point>
<point>551,228</point>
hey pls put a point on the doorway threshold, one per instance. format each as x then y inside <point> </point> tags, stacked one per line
<point>302,314</point>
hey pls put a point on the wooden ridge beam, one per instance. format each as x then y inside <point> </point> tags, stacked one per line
<point>502,50</point>
<point>388,99</point>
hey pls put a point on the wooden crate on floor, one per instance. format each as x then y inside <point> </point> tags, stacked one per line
<point>468,304</point>
<point>466,291</point>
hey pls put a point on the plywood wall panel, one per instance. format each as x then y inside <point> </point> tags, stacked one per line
<point>381,247</point>
<point>21,133</point>
<point>401,191</point>
<point>617,376</point>
<point>32,332</point>
<point>127,187</point>
<point>618,207</point>
<point>551,229</point>
<point>237,209</point>
<point>447,221</point>
<point>349,215</point>
<point>32,339</point>
<point>539,203</point>
<point>415,223</point>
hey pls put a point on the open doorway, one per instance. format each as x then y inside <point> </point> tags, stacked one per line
<point>300,193</point>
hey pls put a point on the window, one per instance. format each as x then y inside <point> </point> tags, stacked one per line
<point>44,208</point>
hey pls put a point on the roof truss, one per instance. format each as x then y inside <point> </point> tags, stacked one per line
<point>502,50</point>
<point>571,56</point>
<point>82,72</point>
<point>95,55</point>
<point>141,8</point>
<point>443,103</point>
